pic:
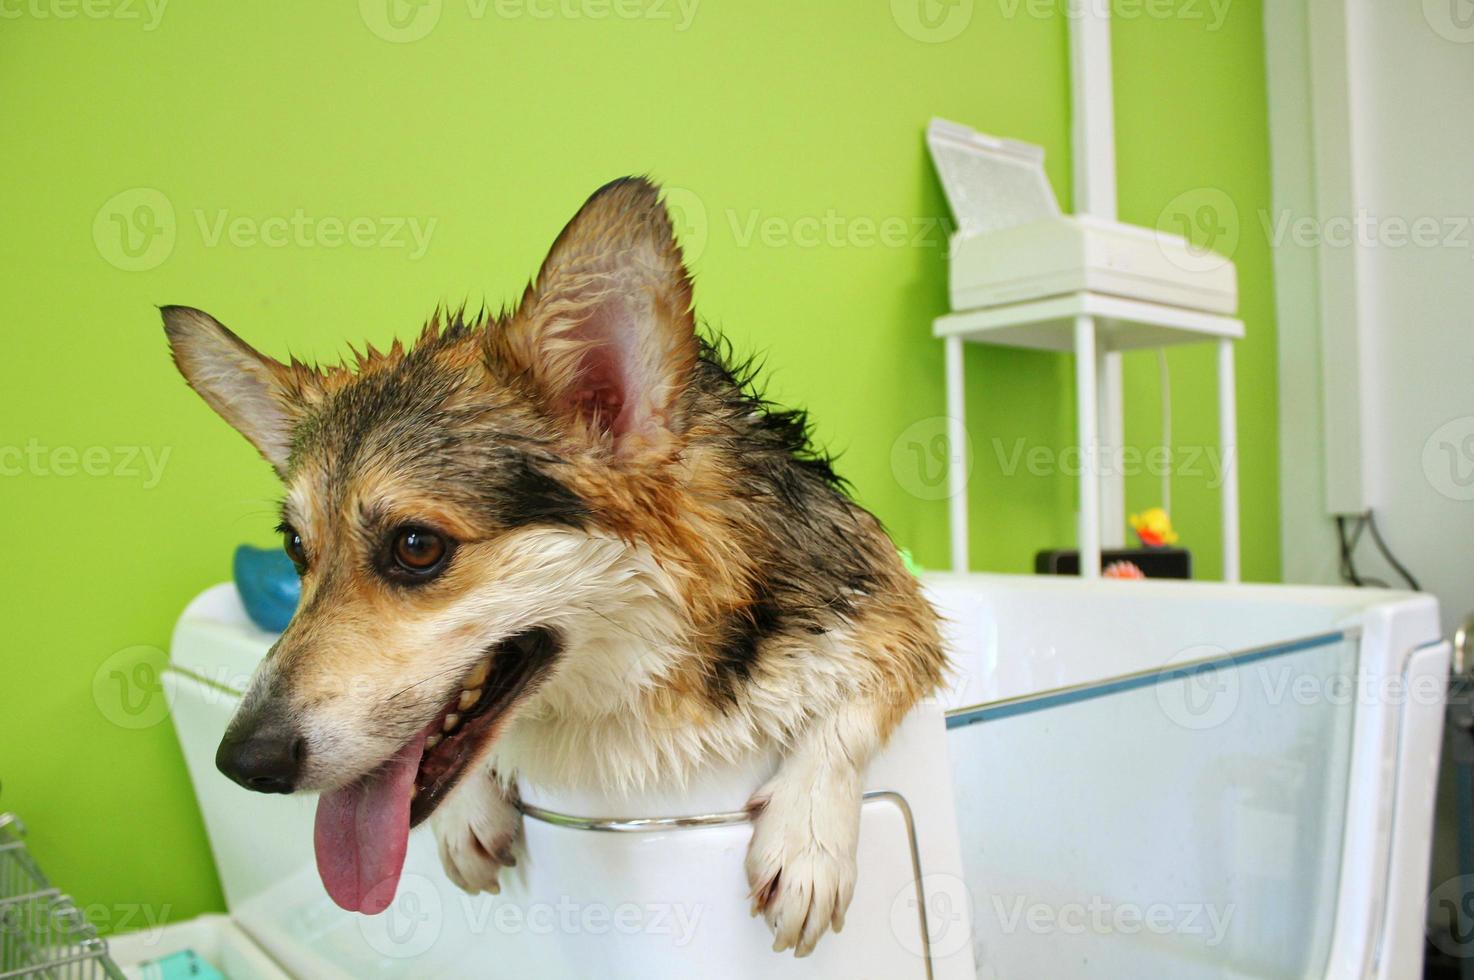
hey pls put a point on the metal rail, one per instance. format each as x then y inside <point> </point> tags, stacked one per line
<point>642,825</point>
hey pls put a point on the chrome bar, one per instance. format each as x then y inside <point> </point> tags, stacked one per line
<point>640,825</point>
<point>632,825</point>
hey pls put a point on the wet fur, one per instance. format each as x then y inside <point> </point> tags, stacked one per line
<point>613,476</point>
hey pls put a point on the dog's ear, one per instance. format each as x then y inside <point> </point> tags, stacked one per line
<point>261,398</point>
<point>606,330</point>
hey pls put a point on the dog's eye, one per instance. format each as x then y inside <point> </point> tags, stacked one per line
<point>419,551</point>
<point>292,545</point>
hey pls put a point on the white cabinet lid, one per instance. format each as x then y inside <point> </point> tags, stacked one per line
<point>991,183</point>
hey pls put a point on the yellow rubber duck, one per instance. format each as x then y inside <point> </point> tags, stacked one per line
<point>1154,528</point>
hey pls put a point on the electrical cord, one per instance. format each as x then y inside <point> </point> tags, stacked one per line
<point>1348,547</point>
<point>1397,566</point>
<point>1364,522</point>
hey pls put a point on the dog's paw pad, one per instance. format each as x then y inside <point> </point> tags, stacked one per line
<point>477,831</point>
<point>473,864</point>
<point>800,885</point>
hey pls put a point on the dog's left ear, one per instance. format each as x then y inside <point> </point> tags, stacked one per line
<point>260,397</point>
<point>606,330</point>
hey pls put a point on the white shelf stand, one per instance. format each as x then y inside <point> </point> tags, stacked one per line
<point>1093,327</point>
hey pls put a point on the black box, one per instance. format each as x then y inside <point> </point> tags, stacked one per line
<point>1154,562</point>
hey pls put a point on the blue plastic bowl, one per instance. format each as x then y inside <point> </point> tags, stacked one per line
<point>268,585</point>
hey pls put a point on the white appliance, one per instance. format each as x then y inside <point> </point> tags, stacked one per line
<point>1122,780</point>
<point>1012,244</point>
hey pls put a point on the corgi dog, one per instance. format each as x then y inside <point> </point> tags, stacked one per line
<point>568,545</point>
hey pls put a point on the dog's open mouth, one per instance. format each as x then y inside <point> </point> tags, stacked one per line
<point>498,682</point>
<point>362,829</point>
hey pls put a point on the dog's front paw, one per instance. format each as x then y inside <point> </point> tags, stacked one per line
<point>801,861</point>
<point>477,830</point>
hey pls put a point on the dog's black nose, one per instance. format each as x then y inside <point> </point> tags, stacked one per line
<point>267,760</point>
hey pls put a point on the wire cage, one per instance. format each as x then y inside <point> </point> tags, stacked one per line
<point>42,934</point>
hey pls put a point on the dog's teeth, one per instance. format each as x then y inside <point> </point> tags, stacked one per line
<point>414,792</point>
<point>479,675</point>
<point>451,721</point>
<point>468,698</point>
<point>432,741</point>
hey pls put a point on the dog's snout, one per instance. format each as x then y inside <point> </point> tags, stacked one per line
<point>267,759</point>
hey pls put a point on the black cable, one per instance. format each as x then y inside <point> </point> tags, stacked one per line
<point>1364,522</point>
<point>1397,566</point>
<point>1348,568</point>
<point>1366,581</point>
<point>1361,526</point>
<point>1348,550</point>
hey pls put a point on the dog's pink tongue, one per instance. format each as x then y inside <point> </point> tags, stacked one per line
<point>362,832</point>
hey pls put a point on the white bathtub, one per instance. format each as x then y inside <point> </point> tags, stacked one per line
<point>1263,810</point>
<point>1122,780</point>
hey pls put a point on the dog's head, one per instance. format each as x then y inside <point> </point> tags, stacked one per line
<point>455,509</point>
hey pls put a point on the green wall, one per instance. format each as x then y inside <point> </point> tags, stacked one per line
<point>794,133</point>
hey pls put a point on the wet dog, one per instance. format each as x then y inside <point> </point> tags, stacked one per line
<point>568,544</point>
